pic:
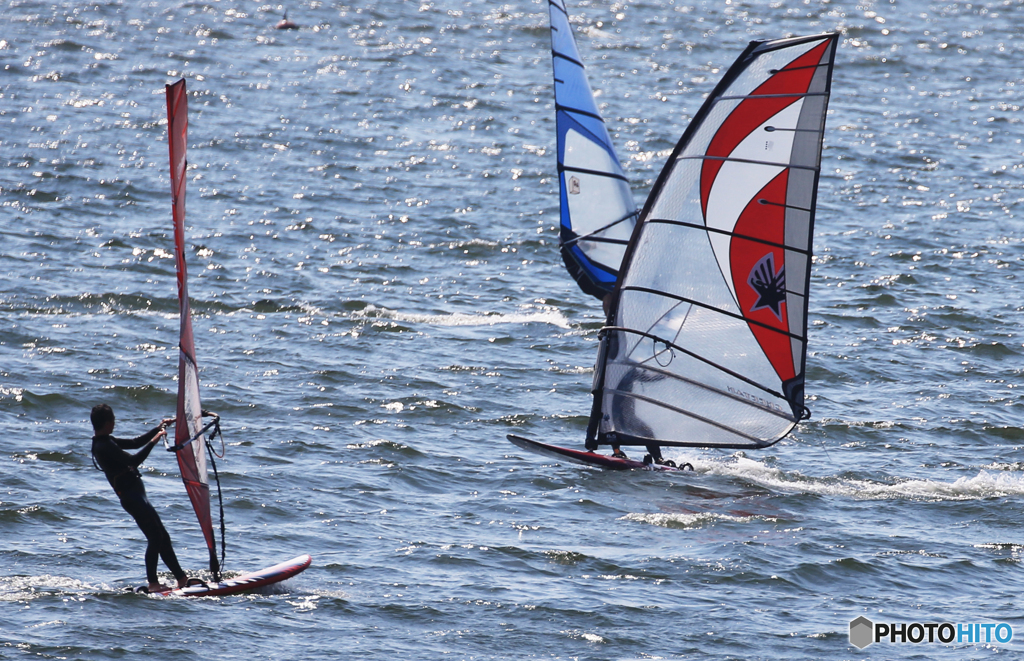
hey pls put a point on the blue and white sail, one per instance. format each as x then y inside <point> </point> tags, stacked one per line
<point>597,207</point>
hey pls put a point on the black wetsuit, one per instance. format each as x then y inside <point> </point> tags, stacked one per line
<point>622,408</point>
<point>122,471</point>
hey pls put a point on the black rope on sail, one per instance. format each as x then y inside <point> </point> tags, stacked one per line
<point>712,308</point>
<point>592,236</point>
<point>772,129</point>
<point>806,66</point>
<point>672,345</point>
<point>217,568</point>
<point>721,232</point>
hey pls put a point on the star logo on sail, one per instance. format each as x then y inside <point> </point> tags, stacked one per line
<point>769,285</point>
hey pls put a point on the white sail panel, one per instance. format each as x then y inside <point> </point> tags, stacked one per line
<point>783,53</point>
<point>193,414</point>
<point>598,199</point>
<point>755,161</point>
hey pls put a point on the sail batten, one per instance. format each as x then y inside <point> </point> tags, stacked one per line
<point>691,301</point>
<point>596,239</point>
<point>669,345</point>
<point>706,344</point>
<point>715,230</point>
<point>750,161</point>
<point>598,173</point>
<point>746,97</point>
<point>689,414</point>
<point>189,442</point>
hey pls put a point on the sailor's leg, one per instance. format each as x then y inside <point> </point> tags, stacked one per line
<point>654,456</point>
<point>171,560</point>
<point>159,542</point>
<point>136,504</point>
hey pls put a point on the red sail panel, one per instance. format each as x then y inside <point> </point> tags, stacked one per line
<point>759,272</point>
<point>192,458</point>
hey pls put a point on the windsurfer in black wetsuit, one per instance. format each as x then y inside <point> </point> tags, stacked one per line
<point>122,471</point>
<point>653,449</point>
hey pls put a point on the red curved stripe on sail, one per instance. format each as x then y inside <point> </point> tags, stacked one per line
<point>768,223</point>
<point>794,78</point>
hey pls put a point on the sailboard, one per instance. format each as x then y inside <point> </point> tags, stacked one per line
<point>587,458</point>
<point>706,340</point>
<point>243,583</point>
<point>597,211</point>
<point>192,439</point>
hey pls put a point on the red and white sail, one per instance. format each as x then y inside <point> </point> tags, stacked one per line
<point>709,332</point>
<point>192,456</point>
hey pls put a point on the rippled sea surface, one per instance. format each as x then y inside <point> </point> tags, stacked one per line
<point>378,300</point>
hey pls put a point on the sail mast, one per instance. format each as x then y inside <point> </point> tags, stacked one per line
<point>707,335</point>
<point>596,204</point>
<point>189,443</point>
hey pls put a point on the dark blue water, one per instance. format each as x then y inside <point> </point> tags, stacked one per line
<point>378,300</point>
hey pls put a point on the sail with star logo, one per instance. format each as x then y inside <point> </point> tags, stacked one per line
<point>707,339</point>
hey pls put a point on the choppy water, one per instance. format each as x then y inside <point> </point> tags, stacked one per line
<point>379,301</point>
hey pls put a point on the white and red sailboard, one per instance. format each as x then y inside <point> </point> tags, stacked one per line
<point>190,435</point>
<point>242,583</point>
<point>589,458</point>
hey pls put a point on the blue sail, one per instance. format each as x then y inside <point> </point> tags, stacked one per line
<point>597,207</point>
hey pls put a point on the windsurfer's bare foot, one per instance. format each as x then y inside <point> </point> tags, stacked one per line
<point>182,582</point>
<point>157,587</point>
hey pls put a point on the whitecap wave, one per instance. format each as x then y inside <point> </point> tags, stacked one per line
<point>983,485</point>
<point>24,588</point>
<point>552,317</point>
<point>685,520</point>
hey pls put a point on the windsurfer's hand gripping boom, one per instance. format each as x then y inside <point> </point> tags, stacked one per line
<point>213,424</point>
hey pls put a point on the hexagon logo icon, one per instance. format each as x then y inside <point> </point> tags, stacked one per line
<point>861,632</point>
